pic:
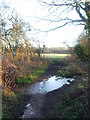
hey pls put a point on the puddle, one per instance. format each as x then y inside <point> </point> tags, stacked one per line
<point>49,84</point>
<point>38,89</point>
<point>29,112</point>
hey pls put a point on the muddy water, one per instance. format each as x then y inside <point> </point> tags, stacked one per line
<point>49,84</point>
<point>37,92</point>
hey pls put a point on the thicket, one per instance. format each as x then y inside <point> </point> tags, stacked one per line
<point>81,48</point>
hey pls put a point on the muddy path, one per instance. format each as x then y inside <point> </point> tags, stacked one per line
<point>42,95</point>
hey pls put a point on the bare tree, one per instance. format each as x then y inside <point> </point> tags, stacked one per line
<point>37,42</point>
<point>12,29</point>
<point>58,8</point>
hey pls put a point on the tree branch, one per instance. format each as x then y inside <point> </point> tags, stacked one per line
<point>81,16</point>
<point>65,19</point>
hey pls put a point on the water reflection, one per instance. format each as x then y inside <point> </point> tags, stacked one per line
<point>49,84</point>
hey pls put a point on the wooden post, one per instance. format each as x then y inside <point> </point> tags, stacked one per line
<point>0,80</point>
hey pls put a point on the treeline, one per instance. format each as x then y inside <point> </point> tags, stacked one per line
<point>58,50</point>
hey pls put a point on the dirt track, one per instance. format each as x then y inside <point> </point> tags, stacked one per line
<point>42,105</point>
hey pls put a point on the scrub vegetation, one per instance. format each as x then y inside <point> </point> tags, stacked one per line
<point>22,64</point>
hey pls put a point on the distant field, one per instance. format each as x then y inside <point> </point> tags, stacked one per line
<point>55,56</point>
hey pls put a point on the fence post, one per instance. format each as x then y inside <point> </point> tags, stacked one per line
<point>0,80</point>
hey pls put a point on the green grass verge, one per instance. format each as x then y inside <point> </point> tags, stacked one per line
<point>68,72</point>
<point>55,57</point>
<point>14,106</point>
<point>32,76</point>
<point>74,104</point>
<point>10,107</point>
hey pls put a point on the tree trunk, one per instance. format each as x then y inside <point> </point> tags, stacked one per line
<point>14,52</point>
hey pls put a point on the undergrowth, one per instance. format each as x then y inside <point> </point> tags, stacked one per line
<point>74,104</point>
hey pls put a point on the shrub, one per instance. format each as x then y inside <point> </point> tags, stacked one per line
<point>80,52</point>
<point>81,48</point>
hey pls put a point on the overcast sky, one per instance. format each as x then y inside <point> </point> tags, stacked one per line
<point>28,8</point>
